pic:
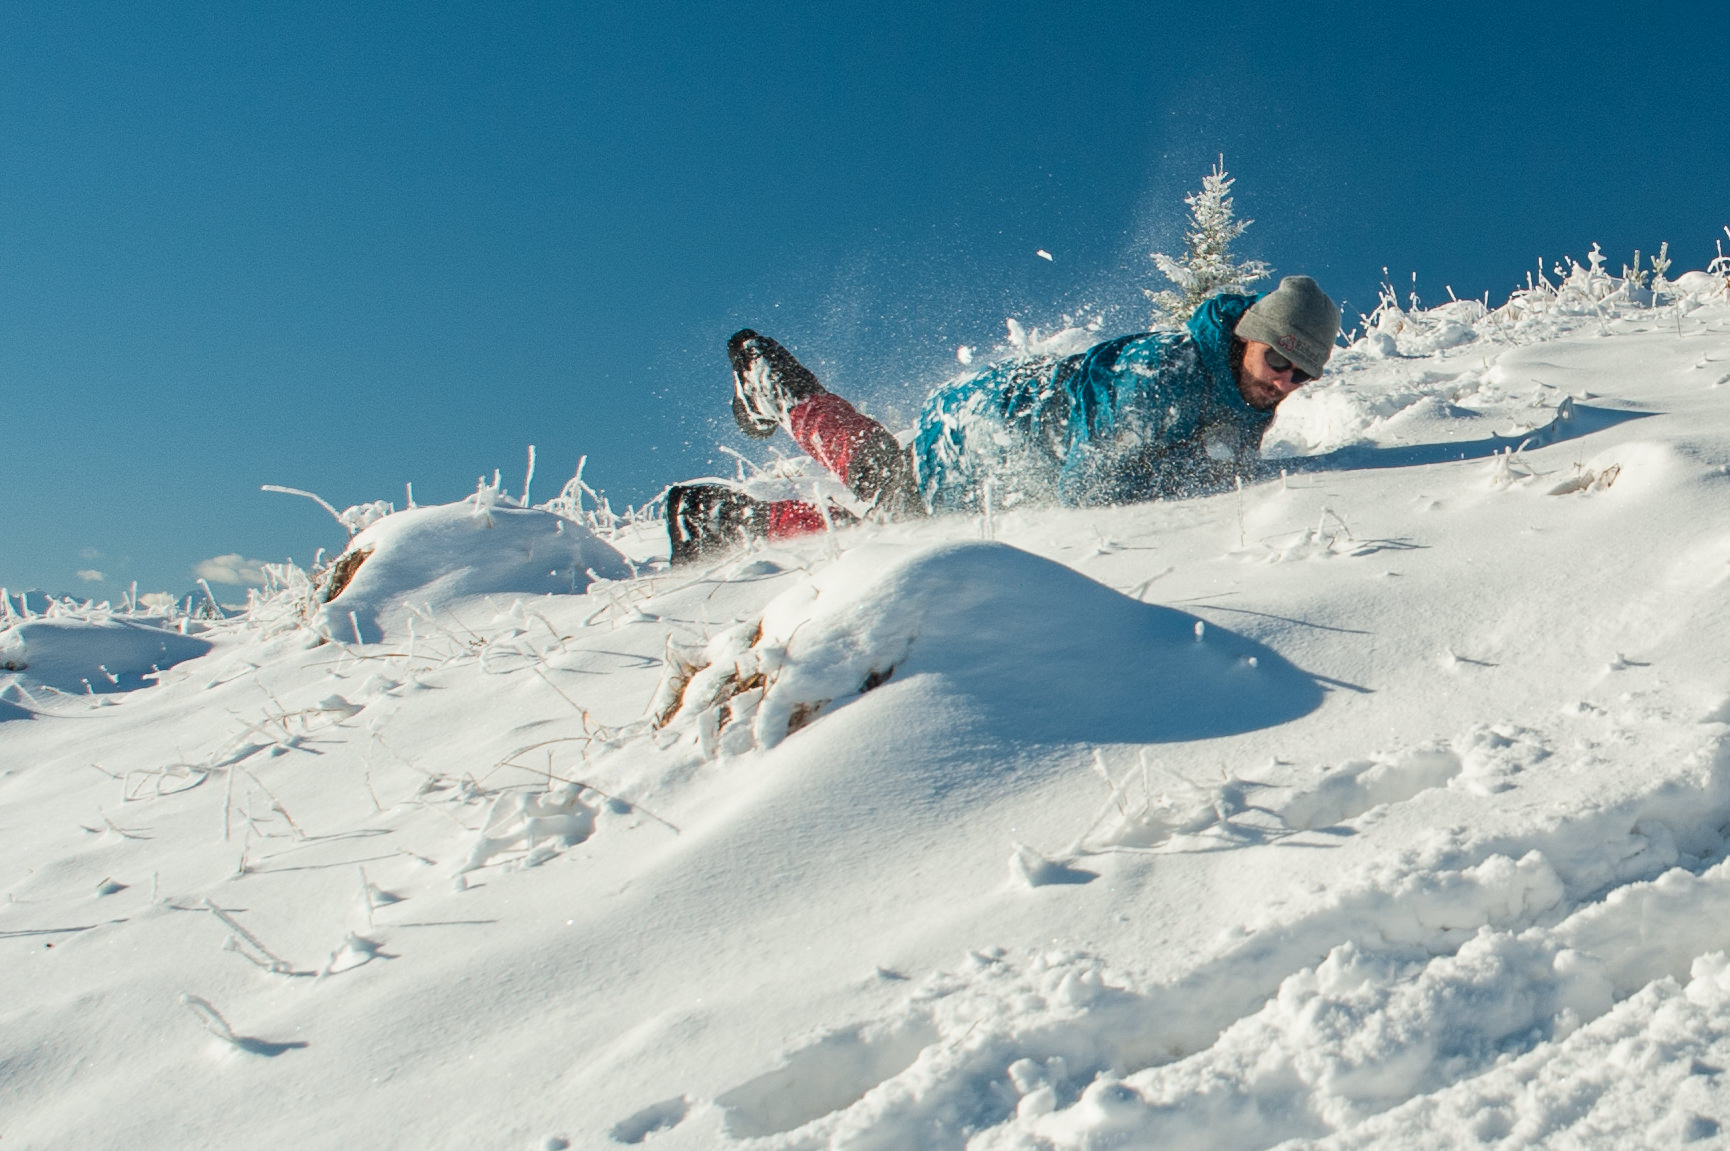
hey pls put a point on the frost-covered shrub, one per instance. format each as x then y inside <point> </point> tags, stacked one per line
<point>1547,304</point>
<point>1391,330</point>
<point>597,512</point>
<point>284,602</point>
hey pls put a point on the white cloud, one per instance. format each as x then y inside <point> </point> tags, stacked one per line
<point>90,575</point>
<point>233,568</point>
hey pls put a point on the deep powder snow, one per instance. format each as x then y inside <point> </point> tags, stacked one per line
<point>1381,803</point>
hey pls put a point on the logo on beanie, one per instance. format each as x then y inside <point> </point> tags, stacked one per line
<point>1296,348</point>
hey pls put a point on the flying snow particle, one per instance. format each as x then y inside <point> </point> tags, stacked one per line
<point>1043,254</point>
<point>964,353</point>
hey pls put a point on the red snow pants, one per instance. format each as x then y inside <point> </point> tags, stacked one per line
<point>852,445</point>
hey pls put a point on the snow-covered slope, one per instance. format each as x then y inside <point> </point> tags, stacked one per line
<point>1380,804</point>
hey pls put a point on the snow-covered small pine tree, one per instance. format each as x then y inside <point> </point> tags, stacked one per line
<point>1661,265</point>
<point>1208,265</point>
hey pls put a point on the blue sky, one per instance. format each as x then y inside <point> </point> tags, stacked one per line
<point>343,247</point>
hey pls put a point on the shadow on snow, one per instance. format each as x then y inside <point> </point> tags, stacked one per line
<point>1573,421</point>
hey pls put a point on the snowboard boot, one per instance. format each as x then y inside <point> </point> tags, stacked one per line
<point>706,520</point>
<point>767,382</point>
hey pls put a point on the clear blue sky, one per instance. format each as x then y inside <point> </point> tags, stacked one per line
<point>345,246</point>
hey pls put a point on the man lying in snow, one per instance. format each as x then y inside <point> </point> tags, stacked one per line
<point>1142,417</point>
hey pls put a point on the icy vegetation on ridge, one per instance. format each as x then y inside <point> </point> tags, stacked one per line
<point>1383,802</point>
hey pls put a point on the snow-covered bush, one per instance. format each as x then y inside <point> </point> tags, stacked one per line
<point>1390,330</point>
<point>597,513</point>
<point>1546,305</point>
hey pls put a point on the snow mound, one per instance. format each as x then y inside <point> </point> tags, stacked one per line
<point>1033,646</point>
<point>426,557</point>
<point>99,656</point>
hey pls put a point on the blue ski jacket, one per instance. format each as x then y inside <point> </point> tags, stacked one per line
<point>1141,417</point>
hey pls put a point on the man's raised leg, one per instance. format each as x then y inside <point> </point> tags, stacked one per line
<point>772,388</point>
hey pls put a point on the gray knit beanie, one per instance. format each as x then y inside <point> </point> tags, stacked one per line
<point>1298,319</point>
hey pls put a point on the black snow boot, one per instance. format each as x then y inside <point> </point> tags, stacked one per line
<point>711,519</point>
<point>881,474</point>
<point>767,382</point>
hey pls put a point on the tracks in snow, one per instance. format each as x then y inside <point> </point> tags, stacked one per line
<point>1408,982</point>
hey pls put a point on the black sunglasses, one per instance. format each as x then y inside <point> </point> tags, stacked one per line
<point>1279,364</point>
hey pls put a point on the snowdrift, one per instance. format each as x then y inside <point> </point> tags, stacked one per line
<point>1038,651</point>
<point>426,557</point>
<point>98,655</point>
<point>1384,803</point>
